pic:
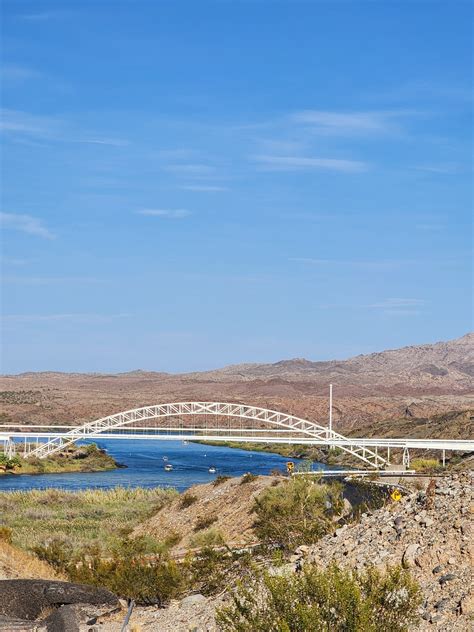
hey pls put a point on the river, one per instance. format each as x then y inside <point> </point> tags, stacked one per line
<point>145,466</point>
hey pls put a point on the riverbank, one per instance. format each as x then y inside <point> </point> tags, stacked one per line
<point>88,458</point>
<point>291,451</point>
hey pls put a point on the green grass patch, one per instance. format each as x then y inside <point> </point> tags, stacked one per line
<point>426,465</point>
<point>209,537</point>
<point>81,519</point>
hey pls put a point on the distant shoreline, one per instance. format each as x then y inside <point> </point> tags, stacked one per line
<point>77,459</point>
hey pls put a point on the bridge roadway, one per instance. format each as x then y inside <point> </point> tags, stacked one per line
<point>241,435</point>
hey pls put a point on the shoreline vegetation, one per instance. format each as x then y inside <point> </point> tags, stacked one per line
<point>423,460</point>
<point>81,459</point>
<point>294,451</point>
<point>91,537</point>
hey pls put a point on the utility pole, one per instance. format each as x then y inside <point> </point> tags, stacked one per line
<point>330,408</point>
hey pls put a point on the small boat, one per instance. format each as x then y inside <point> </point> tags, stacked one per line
<point>185,442</point>
<point>165,458</point>
<point>168,467</point>
<point>212,470</point>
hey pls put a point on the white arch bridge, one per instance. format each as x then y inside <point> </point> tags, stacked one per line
<point>219,421</point>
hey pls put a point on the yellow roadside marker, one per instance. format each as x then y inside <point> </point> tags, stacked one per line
<point>396,495</point>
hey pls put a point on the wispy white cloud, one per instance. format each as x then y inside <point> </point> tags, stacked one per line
<point>431,227</point>
<point>13,261</point>
<point>204,188</point>
<point>52,128</point>
<point>25,224</point>
<point>355,263</point>
<point>383,263</point>
<point>79,317</point>
<point>447,169</point>
<point>43,16</point>
<point>388,306</point>
<point>427,92</point>
<point>22,122</point>
<point>399,306</point>
<point>182,153</point>
<point>300,163</point>
<point>50,280</point>
<point>15,72</point>
<point>112,142</point>
<point>398,303</point>
<point>196,170</point>
<point>178,213</point>
<point>371,122</point>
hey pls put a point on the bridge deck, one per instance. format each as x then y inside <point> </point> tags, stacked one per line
<point>205,434</point>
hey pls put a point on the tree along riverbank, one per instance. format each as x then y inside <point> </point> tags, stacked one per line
<point>88,458</point>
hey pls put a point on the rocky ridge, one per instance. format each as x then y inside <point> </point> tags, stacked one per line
<point>431,532</point>
<point>420,366</point>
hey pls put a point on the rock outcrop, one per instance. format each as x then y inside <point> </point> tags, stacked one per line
<point>431,533</point>
<point>52,606</point>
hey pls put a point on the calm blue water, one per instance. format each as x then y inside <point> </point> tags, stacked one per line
<point>144,461</point>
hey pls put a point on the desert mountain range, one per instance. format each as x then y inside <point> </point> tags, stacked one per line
<point>417,381</point>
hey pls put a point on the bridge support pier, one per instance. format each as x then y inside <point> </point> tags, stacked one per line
<point>406,457</point>
<point>9,447</point>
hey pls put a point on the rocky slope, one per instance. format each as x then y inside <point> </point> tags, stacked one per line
<point>429,532</point>
<point>443,365</point>
<point>227,507</point>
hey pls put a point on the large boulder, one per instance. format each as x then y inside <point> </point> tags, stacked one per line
<point>27,598</point>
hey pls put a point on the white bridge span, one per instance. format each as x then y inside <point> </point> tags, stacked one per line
<point>217,421</point>
<point>277,425</point>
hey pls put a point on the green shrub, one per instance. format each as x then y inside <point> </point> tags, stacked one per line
<point>248,478</point>
<point>56,553</point>
<point>187,500</point>
<point>6,535</point>
<point>425,465</point>
<point>9,463</point>
<point>212,570</point>
<point>328,600</point>
<point>203,522</point>
<point>297,512</point>
<point>220,479</point>
<point>210,537</point>
<point>172,539</point>
<point>138,569</point>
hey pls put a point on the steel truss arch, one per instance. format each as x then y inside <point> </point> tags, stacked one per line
<point>221,409</point>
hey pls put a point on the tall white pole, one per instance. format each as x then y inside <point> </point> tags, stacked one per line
<point>330,408</point>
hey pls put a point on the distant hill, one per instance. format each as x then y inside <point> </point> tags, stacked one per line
<point>443,365</point>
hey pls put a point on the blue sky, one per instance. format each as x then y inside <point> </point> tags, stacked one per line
<point>191,184</point>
